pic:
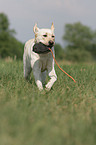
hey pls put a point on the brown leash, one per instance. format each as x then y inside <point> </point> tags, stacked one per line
<point>60,67</point>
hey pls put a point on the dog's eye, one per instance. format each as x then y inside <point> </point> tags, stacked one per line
<point>45,35</point>
<point>53,36</point>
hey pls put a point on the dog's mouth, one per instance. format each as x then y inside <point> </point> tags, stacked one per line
<point>51,44</point>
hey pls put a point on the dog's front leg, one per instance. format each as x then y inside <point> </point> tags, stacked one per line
<point>37,76</point>
<point>38,80</point>
<point>53,78</point>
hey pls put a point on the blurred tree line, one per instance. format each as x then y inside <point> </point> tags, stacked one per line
<point>9,45</point>
<point>80,39</point>
<point>81,42</point>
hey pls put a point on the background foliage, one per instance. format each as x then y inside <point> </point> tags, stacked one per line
<point>80,39</point>
<point>81,42</point>
<point>9,45</point>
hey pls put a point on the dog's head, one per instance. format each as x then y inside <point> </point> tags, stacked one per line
<point>45,36</point>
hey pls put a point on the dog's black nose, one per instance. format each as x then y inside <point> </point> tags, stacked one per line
<point>51,42</point>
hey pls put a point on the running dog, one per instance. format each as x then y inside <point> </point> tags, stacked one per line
<point>39,59</point>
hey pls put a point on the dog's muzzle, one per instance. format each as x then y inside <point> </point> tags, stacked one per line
<point>51,43</point>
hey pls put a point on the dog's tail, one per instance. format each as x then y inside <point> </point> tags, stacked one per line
<point>60,67</point>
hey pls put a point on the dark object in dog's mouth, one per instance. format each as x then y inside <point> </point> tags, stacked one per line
<point>41,48</point>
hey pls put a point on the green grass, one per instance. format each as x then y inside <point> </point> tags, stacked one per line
<point>64,116</point>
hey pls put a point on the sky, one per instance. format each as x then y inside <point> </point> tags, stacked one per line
<point>23,14</point>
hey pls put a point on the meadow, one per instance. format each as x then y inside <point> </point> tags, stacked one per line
<point>66,115</point>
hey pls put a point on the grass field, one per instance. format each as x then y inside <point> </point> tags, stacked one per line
<point>64,116</point>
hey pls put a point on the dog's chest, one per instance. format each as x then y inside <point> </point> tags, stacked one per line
<point>44,62</point>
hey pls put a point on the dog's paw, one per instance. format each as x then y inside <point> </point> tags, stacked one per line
<point>47,88</point>
<point>40,89</point>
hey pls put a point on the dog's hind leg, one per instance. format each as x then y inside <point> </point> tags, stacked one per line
<point>27,67</point>
<point>43,77</point>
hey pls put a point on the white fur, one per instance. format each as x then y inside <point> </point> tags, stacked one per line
<point>40,63</point>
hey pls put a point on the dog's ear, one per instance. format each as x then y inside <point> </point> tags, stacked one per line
<point>35,29</point>
<point>52,27</point>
